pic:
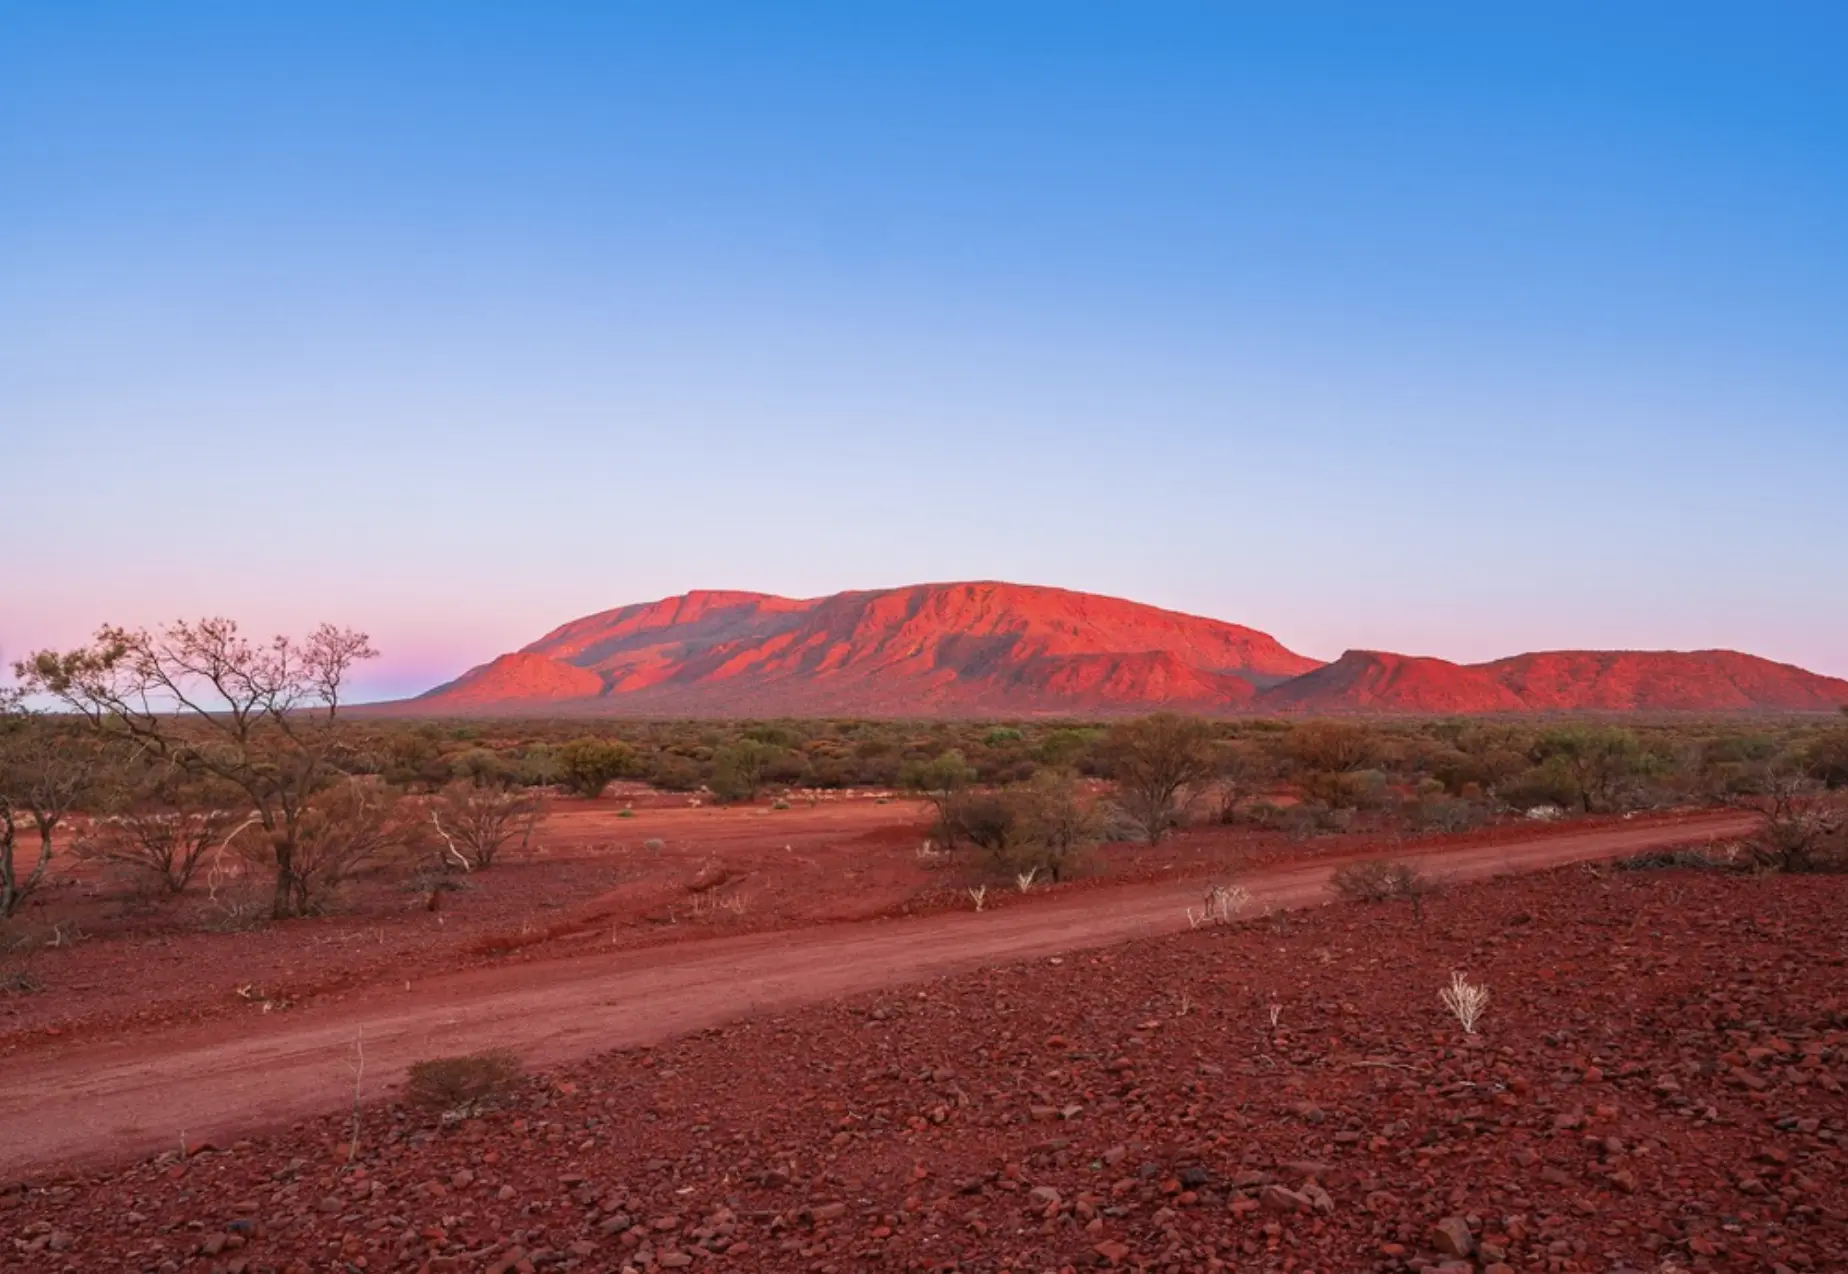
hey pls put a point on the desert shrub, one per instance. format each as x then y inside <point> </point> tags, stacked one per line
<point>1827,757</point>
<point>1536,786</point>
<point>1243,771</point>
<point>1447,814</point>
<point>672,772</point>
<point>988,820</point>
<point>166,847</point>
<point>1673,859</point>
<point>474,823</point>
<point>483,767</point>
<point>1803,826</point>
<point>943,781</point>
<point>741,768</point>
<point>1331,747</point>
<point>1000,736</point>
<point>1346,789</point>
<point>414,760</point>
<point>450,1083</point>
<point>1159,763</point>
<point>1596,767</point>
<point>1054,827</point>
<point>354,825</point>
<point>589,765</point>
<point>1042,826</point>
<point>538,766</point>
<point>1382,880</point>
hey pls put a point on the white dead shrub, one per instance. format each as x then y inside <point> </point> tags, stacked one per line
<point>1465,1001</point>
<point>1221,905</point>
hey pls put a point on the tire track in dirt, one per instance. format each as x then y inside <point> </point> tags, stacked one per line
<point>97,1102</point>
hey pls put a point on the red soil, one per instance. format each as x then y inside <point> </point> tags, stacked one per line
<point>990,648</point>
<point>80,1092</point>
<point>1658,1085</point>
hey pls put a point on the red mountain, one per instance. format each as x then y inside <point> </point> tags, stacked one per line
<point>1001,649</point>
<point>1374,681</point>
<point>1558,681</point>
<point>931,648</point>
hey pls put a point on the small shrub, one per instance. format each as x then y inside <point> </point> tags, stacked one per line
<point>1379,880</point>
<point>449,1083</point>
<point>1670,859</point>
<point>1466,1001</point>
<point>19,981</point>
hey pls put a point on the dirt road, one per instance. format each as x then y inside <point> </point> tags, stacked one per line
<point>91,1103</point>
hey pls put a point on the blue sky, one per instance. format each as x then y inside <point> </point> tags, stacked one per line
<point>1415,327</point>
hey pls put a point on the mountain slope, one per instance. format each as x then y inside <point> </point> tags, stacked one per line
<point>1375,681</point>
<point>991,648</point>
<point>972,647</point>
<point>1558,681</point>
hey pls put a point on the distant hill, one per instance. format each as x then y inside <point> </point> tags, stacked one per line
<point>998,649</point>
<point>1558,681</point>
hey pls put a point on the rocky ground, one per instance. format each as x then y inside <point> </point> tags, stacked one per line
<point>1657,1084</point>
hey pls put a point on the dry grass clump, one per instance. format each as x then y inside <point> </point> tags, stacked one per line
<point>446,1083</point>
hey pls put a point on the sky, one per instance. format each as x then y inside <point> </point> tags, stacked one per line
<point>1457,330</point>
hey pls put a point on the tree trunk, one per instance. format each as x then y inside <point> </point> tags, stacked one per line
<point>282,905</point>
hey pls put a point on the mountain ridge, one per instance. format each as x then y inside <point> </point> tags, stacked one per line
<point>988,647</point>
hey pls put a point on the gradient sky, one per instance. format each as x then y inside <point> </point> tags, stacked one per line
<point>1457,330</point>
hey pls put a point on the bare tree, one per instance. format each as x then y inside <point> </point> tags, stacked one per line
<point>476,823</point>
<point>1158,761</point>
<point>46,768</point>
<point>202,698</point>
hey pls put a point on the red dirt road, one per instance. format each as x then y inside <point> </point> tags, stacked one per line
<point>90,1103</point>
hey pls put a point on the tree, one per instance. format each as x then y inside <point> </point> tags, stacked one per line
<point>46,768</point>
<point>207,701</point>
<point>738,769</point>
<point>1804,825</point>
<point>1595,764</point>
<point>1157,761</point>
<point>1054,825</point>
<point>944,781</point>
<point>1828,756</point>
<point>348,826</point>
<point>475,823</point>
<point>589,765</point>
<point>1332,747</point>
<point>1244,772</point>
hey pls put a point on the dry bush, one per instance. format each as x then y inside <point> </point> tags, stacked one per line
<point>450,1083</point>
<point>1043,826</point>
<point>1159,763</point>
<point>1380,880</point>
<point>475,823</point>
<point>356,824</point>
<point>164,845</point>
<point>1803,827</point>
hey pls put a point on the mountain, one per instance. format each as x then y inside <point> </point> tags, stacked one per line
<point>1375,681</point>
<point>1557,681</point>
<point>1005,649</point>
<point>931,648</point>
